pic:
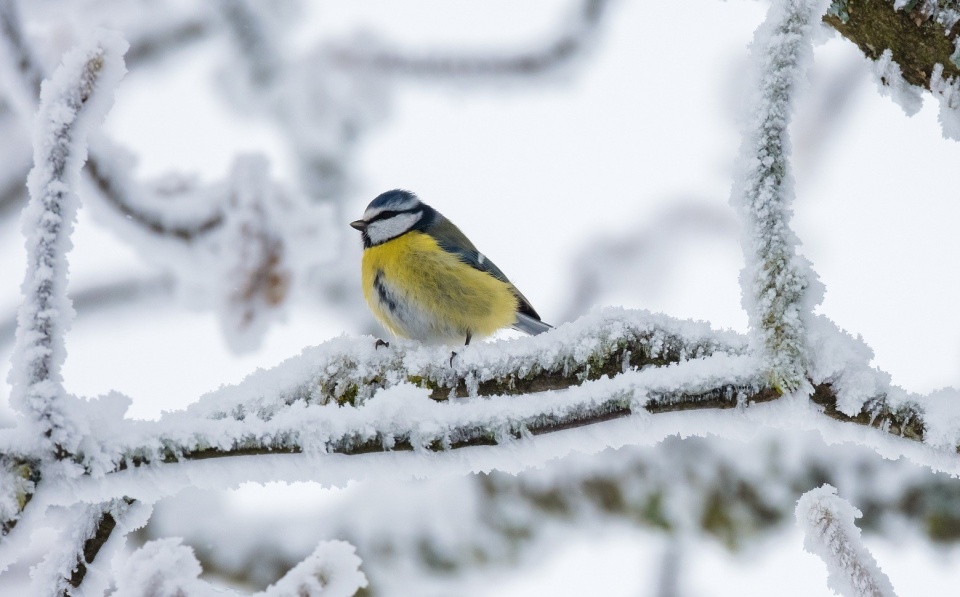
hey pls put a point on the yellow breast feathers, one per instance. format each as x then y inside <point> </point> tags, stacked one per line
<point>417,290</point>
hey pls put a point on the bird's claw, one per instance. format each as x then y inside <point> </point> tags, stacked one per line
<point>380,343</point>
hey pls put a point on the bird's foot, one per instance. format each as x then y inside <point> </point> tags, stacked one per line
<point>380,343</point>
<point>453,355</point>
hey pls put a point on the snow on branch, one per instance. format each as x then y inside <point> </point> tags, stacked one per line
<point>947,91</point>
<point>776,282</point>
<point>332,570</point>
<point>729,491</point>
<point>158,209</point>
<point>890,81</point>
<point>608,365</point>
<point>235,246</point>
<point>83,551</point>
<point>165,568</point>
<point>71,102</point>
<point>574,37</point>
<point>294,407</point>
<point>348,397</point>
<point>827,521</point>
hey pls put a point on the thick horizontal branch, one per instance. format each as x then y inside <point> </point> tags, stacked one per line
<point>677,486</point>
<point>608,365</point>
<point>918,37</point>
<point>724,397</point>
<point>903,421</point>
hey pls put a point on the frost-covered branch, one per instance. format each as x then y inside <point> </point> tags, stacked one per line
<point>74,561</point>
<point>515,375</point>
<point>165,568</point>
<point>609,365</point>
<point>72,102</point>
<point>132,201</point>
<point>827,521</point>
<point>731,492</point>
<point>574,37</point>
<point>776,281</point>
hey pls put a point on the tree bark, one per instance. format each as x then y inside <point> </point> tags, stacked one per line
<point>919,35</point>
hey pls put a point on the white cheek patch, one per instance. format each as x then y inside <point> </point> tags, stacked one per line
<point>383,230</point>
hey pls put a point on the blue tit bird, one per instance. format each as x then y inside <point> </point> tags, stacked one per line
<point>424,279</point>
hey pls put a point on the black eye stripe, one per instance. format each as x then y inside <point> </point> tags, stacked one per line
<point>383,215</point>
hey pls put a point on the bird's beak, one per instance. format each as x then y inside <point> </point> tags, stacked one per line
<point>359,225</point>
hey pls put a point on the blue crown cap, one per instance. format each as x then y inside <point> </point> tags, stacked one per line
<point>397,199</point>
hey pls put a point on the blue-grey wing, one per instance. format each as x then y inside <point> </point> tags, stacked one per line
<point>450,239</point>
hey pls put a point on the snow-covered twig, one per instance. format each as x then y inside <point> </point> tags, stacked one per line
<point>890,81</point>
<point>165,568</point>
<point>74,561</point>
<point>76,97</point>
<point>947,91</point>
<point>572,40</point>
<point>777,292</point>
<point>827,521</point>
<point>332,570</point>
<point>131,200</point>
<point>727,490</point>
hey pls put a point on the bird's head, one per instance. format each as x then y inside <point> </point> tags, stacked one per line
<point>390,215</point>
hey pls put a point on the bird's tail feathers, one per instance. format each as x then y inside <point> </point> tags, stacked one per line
<point>529,325</point>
